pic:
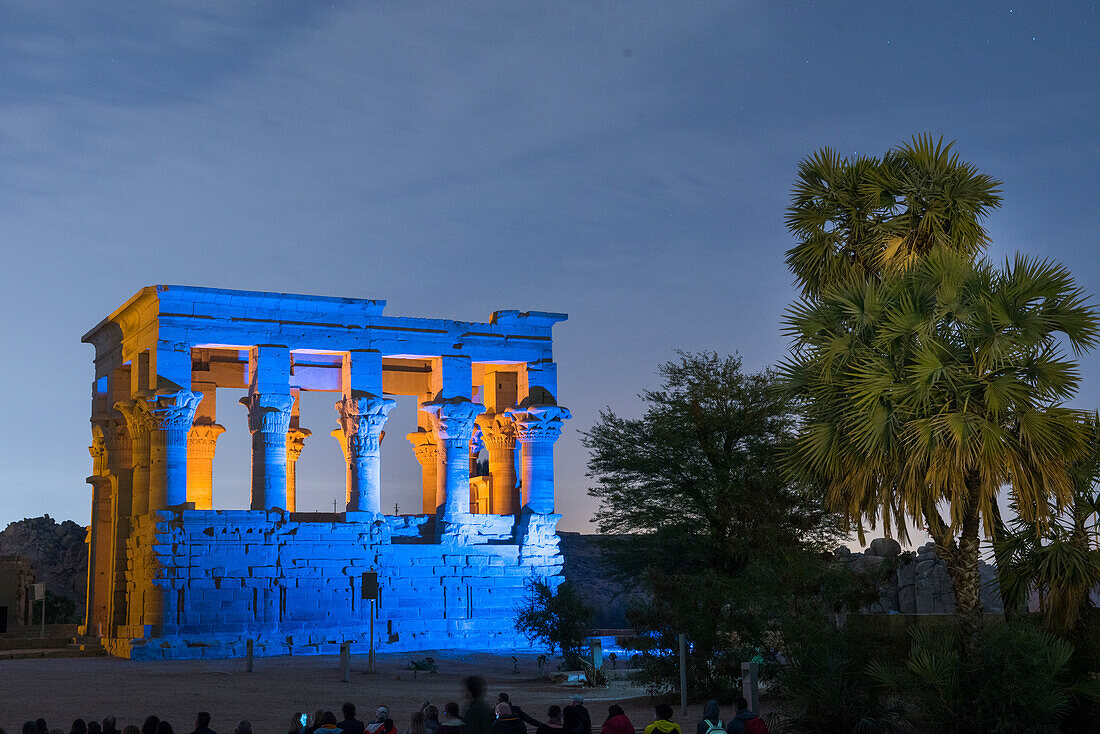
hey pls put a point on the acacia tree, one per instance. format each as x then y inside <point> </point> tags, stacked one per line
<point>930,379</point>
<point>703,521</point>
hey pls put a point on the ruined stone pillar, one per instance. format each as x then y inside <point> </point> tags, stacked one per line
<point>362,416</point>
<point>170,417</point>
<point>135,411</point>
<point>424,446</point>
<point>201,441</point>
<point>295,442</point>
<point>453,420</point>
<point>499,434</point>
<point>99,537</point>
<point>268,421</point>
<point>537,428</point>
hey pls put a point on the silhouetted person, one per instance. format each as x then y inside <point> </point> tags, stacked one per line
<point>40,726</point>
<point>328,723</point>
<point>711,722</point>
<point>377,726</point>
<point>740,723</point>
<point>109,726</point>
<point>149,726</point>
<point>478,717</point>
<point>431,719</point>
<point>244,726</point>
<point>164,728</point>
<point>130,729</point>
<point>449,723</point>
<point>28,727</point>
<point>350,724</point>
<point>575,717</point>
<point>553,723</point>
<point>617,722</point>
<point>507,722</point>
<point>664,723</point>
<point>202,724</point>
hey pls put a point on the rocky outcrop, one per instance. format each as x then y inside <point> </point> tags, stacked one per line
<point>56,551</point>
<point>914,583</point>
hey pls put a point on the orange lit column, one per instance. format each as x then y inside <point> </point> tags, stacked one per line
<point>295,442</point>
<point>135,411</point>
<point>424,446</point>
<point>499,434</point>
<point>119,450</point>
<point>453,420</point>
<point>201,442</point>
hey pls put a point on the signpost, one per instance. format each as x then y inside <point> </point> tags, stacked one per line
<point>683,676</point>
<point>370,591</point>
<point>40,595</point>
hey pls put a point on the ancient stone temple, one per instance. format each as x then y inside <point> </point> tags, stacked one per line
<point>169,577</point>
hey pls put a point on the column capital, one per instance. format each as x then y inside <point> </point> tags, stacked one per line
<point>424,445</point>
<point>453,418</point>
<point>295,442</point>
<point>498,430</point>
<point>135,411</point>
<point>170,411</point>
<point>202,438</point>
<point>362,416</point>
<point>268,413</point>
<point>535,423</point>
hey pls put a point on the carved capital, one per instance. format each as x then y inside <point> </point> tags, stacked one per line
<point>424,446</point>
<point>173,411</point>
<point>268,413</point>
<point>539,423</point>
<point>98,449</point>
<point>295,442</point>
<point>136,414</point>
<point>361,417</point>
<point>453,418</point>
<point>476,441</point>
<point>498,431</point>
<point>202,439</point>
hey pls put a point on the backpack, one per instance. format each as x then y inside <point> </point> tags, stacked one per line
<point>756,726</point>
<point>713,728</point>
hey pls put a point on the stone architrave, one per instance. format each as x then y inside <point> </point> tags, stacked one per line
<point>170,417</point>
<point>498,432</point>
<point>201,442</point>
<point>295,442</point>
<point>453,421</point>
<point>425,449</point>
<point>537,428</point>
<point>268,421</point>
<point>362,416</point>
<point>136,413</point>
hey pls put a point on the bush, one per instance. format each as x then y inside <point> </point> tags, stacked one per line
<point>558,618</point>
<point>1022,682</point>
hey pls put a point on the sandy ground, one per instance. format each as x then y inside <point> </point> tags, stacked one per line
<point>61,690</point>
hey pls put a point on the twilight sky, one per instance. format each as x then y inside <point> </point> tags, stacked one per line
<point>626,163</point>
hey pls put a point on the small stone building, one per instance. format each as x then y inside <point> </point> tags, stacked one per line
<point>169,577</point>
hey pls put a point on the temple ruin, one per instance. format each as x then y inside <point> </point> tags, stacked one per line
<point>170,577</point>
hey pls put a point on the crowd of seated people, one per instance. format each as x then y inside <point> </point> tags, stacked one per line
<point>479,717</point>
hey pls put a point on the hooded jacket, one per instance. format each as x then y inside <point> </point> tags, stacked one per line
<point>618,724</point>
<point>737,723</point>
<point>710,718</point>
<point>663,726</point>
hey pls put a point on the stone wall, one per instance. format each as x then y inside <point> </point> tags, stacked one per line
<point>915,583</point>
<point>202,583</point>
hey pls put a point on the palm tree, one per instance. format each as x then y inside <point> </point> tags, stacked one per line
<point>930,387</point>
<point>1061,560</point>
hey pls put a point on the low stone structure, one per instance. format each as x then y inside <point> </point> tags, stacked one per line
<point>16,604</point>
<point>170,577</point>
<point>915,583</point>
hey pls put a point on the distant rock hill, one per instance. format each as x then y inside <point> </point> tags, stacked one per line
<point>56,551</point>
<point>587,570</point>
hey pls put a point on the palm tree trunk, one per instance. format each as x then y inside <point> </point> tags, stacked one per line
<point>961,558</point>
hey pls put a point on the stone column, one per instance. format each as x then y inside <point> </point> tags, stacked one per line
<point>99,536</point>
<point>201,440</point>
<point>537,428</point>
<point>424,446</point>
<point>476,445</point>
<point>295,442</point>
<point>453,421</point>
<point>268,421</point>
<point>170,417</point>
<point>135,411</point>
<point>119,451</point>
<point>362,416</point>
<point>499,434</point>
